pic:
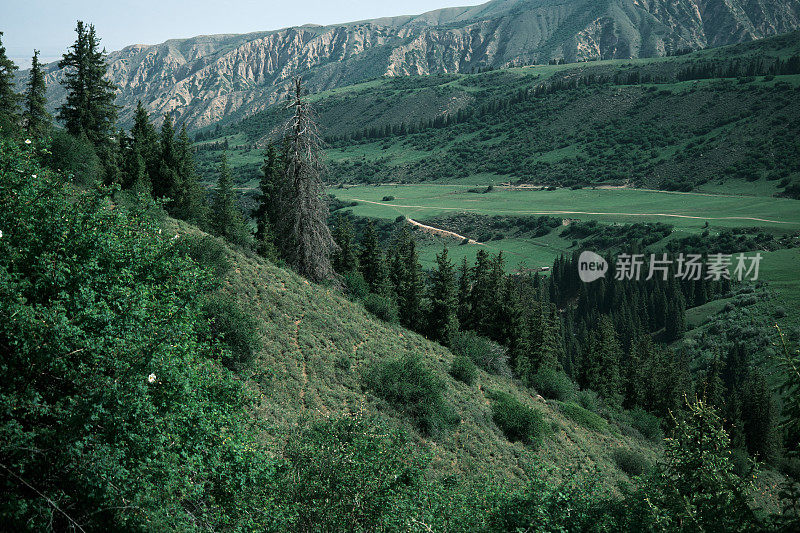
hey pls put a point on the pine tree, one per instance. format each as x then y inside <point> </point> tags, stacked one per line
<point>759,417</point>
<point>305,239</point>
<point>35,117</point>
<point>481,294</point>
<point>89,108</point>
<point>190,202</point>
<point>345,257</point>
<point>602,365</point>
<point>442,320</point>
<point>408,281</point>
<point>9,99</point>
<point>226,220</point>
<point>165,184</point>
<point>265,213</point>
<point>370,260</point>
<point>464,289</point>
<point>145,139</point>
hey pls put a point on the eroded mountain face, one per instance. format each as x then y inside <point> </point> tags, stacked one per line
<point>202,79</point>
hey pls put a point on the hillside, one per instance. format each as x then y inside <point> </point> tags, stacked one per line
<point>314,346</point>
<point>206,79</point>
<point>639,122</point>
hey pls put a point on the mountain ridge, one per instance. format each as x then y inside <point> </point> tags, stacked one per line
<point>205,78</point>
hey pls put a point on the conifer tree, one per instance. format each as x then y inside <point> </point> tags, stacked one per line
<point>190,202</point>
<point>759,417</point>
<point>442,320</point>
<point>265,213</point>
<point>481,294</point>
<point>226,220</point>
<point>602,364</point>
<point>304,237</point>
<point>145,139</point>
<point>35,117</point>
<point>89,107</point>
<point>166,184</point>
<point>464,289</point>
<point>370,260</point>
<point>407,281</point>
<point>345,257</point>
<point>9,99</point>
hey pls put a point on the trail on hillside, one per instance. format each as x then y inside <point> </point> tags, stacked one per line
<point>510,211</point>
<point>441,232</point>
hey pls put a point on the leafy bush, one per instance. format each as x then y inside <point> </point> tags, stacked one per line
<point>631,462</point>
<point>229,324</point>
<point>115,407</point>
<point>517,421</point>
<point>387,199</point>
<point>585,418</point>
<point>382,307</point>
<point>355,285</point>
<point>207,251</point>
<point>464,370</point>
<point>348,473</point>
<point>589,400</point>
<point>553,384</point>
<point>409,386</point>
<point>488,355</point>
<point>647,424</point>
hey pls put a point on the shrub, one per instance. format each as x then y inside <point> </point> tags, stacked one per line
<point>387,199</point>
<point>408,385</point>
<point>207,251</point>
<point>382,307</point>
<point>464,370</point>
<point>630,461</point>
<point>233,327</point>
<point>553,385</point>
<point>647,424</point>
<point>355,285</point>
<point>585,418</point>
<point>488,355</point>
<point>517,421</point>
<point>589,400</point>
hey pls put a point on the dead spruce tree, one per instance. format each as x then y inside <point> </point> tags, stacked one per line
<point>304,238</point>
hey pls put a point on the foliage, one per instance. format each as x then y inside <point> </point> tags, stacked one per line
<point>584,417</point>
<point>208,252</point>
<point>630,461</point>
<point>517,421</point>
<point>113,409</point>
<point>226,219</point>
<point>35,117</point>
<point>411,387</point>
<point>463,369</point>
<point>488,355</point>
<point>355,285</point>
<point>647,424</point>
<point>9,99</point>
<point>75,156</point>
<point>382,307</point>
<point>349,474</point>
<point>234,327</point>
<point>553,384</point>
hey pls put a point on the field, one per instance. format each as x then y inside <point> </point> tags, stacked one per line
<point>689,213</point>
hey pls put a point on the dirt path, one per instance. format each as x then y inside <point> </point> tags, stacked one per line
<point>461,209</point>
<point>441,232</point>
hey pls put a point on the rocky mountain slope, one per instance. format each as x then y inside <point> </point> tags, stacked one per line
<point>205,78</point>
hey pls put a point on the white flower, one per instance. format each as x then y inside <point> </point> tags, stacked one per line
<point>175,237</point>
<point>33,176</point>
<point>151,378</point>
<point>159,232</point>
<point>27,141</point>
<point>1,234</point>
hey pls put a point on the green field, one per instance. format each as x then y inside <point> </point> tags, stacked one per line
<point>688,212</point>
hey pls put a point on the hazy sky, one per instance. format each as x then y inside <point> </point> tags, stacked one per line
<point>49,25</point>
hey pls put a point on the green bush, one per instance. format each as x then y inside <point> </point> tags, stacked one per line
<point>355,285</point>
<point>464,370</point>
<point>387,199</point>
<point>517,421</point>
<point>408,385</point>
<point>647,424</point>
<point>585,418</point>
<point>589,400</point>
<point>382,307</point>
<point>207,251</point>
<point>631,462</point>
<point>229,324</point>
<point>488,355</point>
<point>553,385</point>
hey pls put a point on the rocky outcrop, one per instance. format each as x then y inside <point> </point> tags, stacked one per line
<point>203,79</point>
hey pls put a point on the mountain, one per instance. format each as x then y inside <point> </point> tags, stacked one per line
<point>204,79</point>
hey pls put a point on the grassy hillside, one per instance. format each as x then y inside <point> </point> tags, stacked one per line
<point>639,121</point>
<point>314,346</point>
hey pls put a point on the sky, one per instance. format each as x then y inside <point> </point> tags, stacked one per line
<point>49,25</point>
